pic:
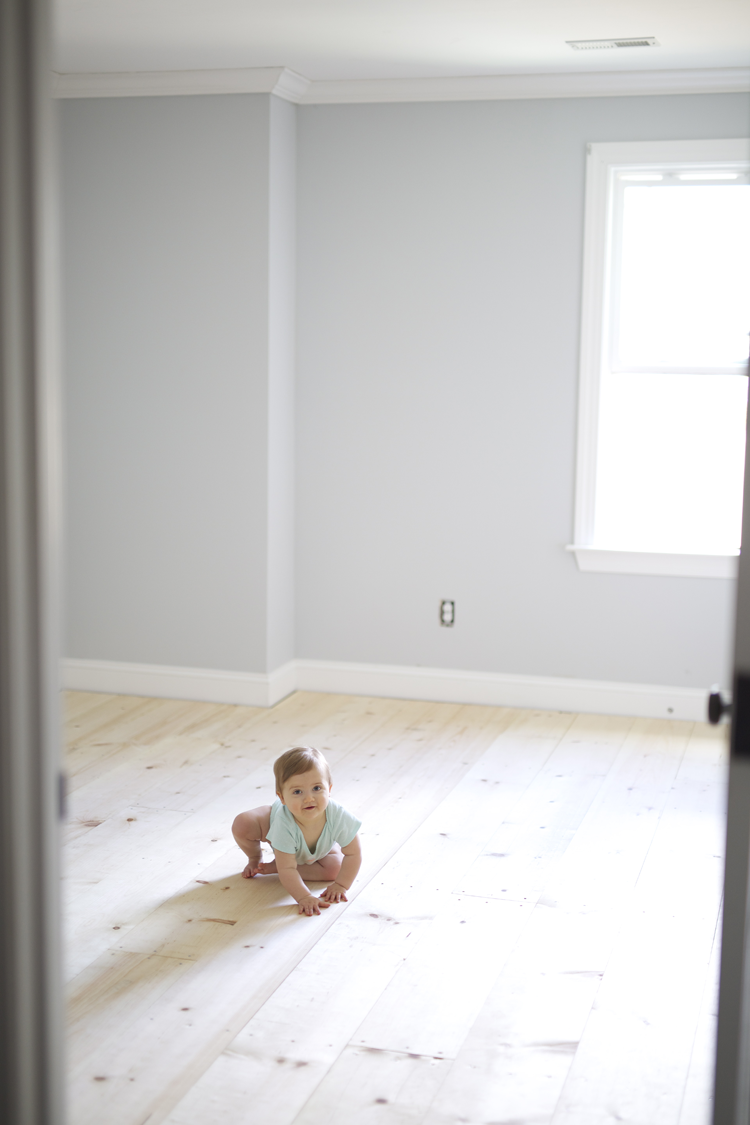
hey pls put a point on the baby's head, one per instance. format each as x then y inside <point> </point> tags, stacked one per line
<point>298,761</point>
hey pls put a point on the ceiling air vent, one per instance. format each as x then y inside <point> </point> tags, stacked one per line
<point>600,44</point>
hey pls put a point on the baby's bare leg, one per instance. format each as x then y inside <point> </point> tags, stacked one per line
<point>323,870</point>
<point>248,829</point>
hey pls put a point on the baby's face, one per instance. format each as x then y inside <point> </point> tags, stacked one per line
<point>306,795</point>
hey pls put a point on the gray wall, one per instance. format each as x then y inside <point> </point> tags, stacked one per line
<point>439,268</point>
<point>173,368</point>
<point>438,259</point>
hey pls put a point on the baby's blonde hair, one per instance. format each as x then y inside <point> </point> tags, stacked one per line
<point>299,759</point>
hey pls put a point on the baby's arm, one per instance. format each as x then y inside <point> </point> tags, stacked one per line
<point>351,864</point>
<point>286,865</point>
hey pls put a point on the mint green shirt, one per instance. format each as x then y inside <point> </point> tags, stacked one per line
<point>285,835</point>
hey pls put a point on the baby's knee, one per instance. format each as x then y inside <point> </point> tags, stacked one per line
<point>331,864</point>
<point>252,824</point>
<point>245,826</point>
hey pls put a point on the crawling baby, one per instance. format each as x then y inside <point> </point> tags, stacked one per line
<point>312,837</point>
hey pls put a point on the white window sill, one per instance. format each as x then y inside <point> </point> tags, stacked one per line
<point>678,565</point>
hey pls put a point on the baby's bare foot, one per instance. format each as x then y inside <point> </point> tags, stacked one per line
<point>253,867</point>
<point>256,867</point>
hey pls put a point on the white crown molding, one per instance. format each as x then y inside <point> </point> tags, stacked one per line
<point>391,681</point>
<point>169,83</point>
<point>498,87</point>
<point>293,87</point>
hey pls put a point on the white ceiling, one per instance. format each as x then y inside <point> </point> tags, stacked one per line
<point>361,39</point>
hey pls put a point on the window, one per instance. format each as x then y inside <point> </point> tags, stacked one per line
<point>664,351</point>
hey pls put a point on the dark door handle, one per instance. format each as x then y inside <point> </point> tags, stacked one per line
<point>718,706</point>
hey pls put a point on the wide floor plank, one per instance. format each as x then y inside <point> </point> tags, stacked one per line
<point>634,1056</point>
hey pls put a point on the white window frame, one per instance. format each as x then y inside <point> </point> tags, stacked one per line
<point>603,161</point>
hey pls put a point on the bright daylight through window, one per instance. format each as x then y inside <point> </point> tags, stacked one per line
<point>664,357</point>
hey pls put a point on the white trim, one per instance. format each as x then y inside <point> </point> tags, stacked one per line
<point>161,681</point>
<point>602,163</point>
<point>497,689</point>
<point>293,87</point>
<point>499,87</point>
<point>500,689</point>
<point>282,682</point>
<point>592,303</point>
<point>675,565</point>
<point>277,80</point>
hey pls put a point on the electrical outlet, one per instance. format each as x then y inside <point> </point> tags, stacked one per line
<point>447,613</point>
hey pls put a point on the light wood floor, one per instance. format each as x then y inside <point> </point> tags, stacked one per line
<point>533,938</point>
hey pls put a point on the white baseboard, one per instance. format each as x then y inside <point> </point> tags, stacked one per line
<point>253,689</point>
<point>282,682</point>
<point>498,689</point>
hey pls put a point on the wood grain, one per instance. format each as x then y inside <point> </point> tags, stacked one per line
<point>533,936</point>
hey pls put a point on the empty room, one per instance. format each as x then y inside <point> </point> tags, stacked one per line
<point>403,408</point>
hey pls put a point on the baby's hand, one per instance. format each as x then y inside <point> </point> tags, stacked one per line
<point>334,893</point>
<point>311,905</point>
